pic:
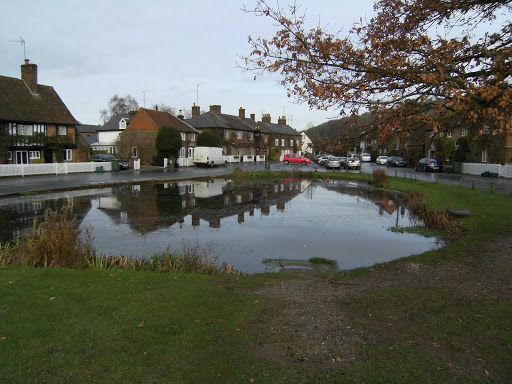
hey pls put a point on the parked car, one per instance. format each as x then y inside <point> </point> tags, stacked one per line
<point>395,161</point>
<point>333,162</point>
<point>323,159</point>
<point>317,157</point>
<point>343,160</point>
<point>352,163</point>
<point>105,158</point>
<point>366,157</point>
<point>382,160</point>
<point>292,158</point>
<point>429,164</point>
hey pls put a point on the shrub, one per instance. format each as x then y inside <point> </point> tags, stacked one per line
<point>380,177</point>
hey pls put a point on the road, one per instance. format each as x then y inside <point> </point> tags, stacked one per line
<point>11,186</point>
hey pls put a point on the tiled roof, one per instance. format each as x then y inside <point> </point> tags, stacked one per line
<point>87,128</point>
<point>162,119</point>
<point>113,123</point>
<point>19,104</point>
<point>211,120</point>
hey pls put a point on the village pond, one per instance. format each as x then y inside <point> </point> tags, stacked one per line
<point>256,227</point>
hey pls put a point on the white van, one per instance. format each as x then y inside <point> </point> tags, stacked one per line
<point>209,156</point>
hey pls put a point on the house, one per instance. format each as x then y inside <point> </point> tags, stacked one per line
<point>307,144</point>
<point>242,136</point>
<point>108,134</point>
<point>42,128</point>
<point>140,135</point>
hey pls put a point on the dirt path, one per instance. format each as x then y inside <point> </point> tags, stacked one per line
<point>311,329</point>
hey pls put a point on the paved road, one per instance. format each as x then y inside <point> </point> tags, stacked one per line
<point>10,186</point>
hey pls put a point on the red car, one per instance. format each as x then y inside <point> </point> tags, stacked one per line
<point>292,158</point>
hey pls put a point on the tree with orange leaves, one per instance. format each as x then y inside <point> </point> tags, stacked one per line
<point>416,62</point>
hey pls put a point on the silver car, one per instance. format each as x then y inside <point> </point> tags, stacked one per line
<point>382,160</point>
<point>353,163</point>
<point>333,162</point>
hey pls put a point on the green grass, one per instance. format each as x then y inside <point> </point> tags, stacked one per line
<point>64,325</point>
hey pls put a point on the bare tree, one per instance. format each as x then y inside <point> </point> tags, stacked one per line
<point>117,105</point>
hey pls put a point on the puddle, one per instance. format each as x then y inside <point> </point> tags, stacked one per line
<point>288,222</point>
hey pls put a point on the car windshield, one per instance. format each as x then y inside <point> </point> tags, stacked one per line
<point>334,159</point>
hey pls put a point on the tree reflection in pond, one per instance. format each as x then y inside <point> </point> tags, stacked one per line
<point>244,223</point>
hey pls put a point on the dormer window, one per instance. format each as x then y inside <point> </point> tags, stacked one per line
<point>122,124</point>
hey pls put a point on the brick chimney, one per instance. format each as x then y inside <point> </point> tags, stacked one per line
<point>241,113</point>
<point>281,120</point>
<point>29,75</point>
<point>196,111</point>
<point>266,118</point>
<point>132,112</point>
<point>253,116</point>
<point>215,109</point>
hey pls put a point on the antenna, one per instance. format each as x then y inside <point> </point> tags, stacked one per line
<point>144,99</point>
<point>22,42</point>
<point>197,93</point>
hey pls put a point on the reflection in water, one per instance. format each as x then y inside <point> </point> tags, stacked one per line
<point>245,223</point>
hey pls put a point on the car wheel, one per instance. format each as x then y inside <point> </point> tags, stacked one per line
<point>304,163</point>
<point>286,162</point>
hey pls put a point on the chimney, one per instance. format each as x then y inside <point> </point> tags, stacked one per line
<point>241,113</point>
<point>29,75</point>
<point>131,114</point>
<point>253,117</point>
<point>215,109</point>
<point>196,111</point>
<point>266,118</point>
<point>180,115</point>
<point>281,120</point>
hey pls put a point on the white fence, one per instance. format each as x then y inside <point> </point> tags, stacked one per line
<point>52,168</point>
<point>479,168</point>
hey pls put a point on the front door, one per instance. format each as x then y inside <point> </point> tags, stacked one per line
<point>21,157</point>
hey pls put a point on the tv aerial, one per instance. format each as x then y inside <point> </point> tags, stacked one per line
<point>22,42</point>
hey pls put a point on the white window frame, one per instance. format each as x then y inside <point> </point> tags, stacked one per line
<point>134,152</point>
<point>251,136</point>
<point>122,124</point>
<point>192,137</point>
<point>291,143</point>
<point>182,152</point>
<point>183,136</point>
<point>282,142</point>
<point>449,135</point>
<point>9,155</point>
<point>239,135</point>
<point>62,130</point>
<point>226,134</point>
<point>464,131</point>
<point>68,155</point>
<point>277,142</point>
<point>441,134</point>
<point>485,155</point>
<point>34,155</point>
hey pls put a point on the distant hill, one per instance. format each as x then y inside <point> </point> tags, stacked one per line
<point>336,128</point>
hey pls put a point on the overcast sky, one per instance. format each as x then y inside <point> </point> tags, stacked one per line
<point>158,51</point>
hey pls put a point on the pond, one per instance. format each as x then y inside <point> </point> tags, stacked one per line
<point>255,227</point>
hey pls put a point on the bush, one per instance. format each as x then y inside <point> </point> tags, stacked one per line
<point>380,177</point>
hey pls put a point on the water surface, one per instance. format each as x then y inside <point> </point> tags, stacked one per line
<point>243,224</point>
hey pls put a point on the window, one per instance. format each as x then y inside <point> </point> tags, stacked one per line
<point>464,131</point>
<point>35,154</point>
<point>122,124</point>
<point>9,156</point>
<point>67,155</point>
<point>183,136</point>
<point>192,137</point>
<point>277,142</point>
<point>291,143</point>
<point>449,134</point>
<point>282,142</point>
<point>182,152</point>
<point>239,135</point>
<point>485,156</point>
<point>441,134</point>
<point>266,138</point>
<point>226,134</point>
<point>134,152</point>
<point>62,130</point>
<point>251,136</point>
